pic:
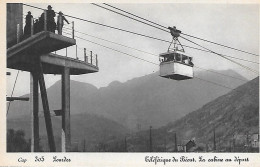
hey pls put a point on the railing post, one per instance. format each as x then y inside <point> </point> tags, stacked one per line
<point>77,52</point>
<point>96,61</point>
<point>45,20</point>
<point>91,57</point>
<point>73,29</point>
<point>32,22</point>
<point>18,33</point>
<point>85,55</point>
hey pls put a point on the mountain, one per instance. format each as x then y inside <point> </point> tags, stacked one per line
<point>91,128</point>
<point>139,102</point>
<point>234,116</point>
<point>235,112</point>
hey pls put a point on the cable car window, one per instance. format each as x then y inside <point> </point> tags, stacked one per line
<point>171,57</point>
<point>178,57</point>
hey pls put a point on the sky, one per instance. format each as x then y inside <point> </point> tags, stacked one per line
<point>235,25</point>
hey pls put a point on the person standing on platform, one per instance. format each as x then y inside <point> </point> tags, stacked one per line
<point>36,26</point>
<point>60,22</point>
<point>41,23</point>
<point>51,25</point>
<point>28,22</point>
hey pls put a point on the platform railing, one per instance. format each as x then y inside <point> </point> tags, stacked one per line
<point>79,53</point>
<point>75,52</point>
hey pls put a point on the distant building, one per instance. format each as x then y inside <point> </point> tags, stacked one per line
<point>187,146</point>
<point>180,148</point>
<point>190,146</point>
<point>255,140</point>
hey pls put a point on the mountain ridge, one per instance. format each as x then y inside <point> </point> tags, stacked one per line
<point>144,100</point>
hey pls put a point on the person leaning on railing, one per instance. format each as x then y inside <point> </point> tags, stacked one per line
<point>60,22</point>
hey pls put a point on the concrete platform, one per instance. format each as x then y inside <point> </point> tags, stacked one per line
<point>38,44</point>
<point>53,64</point>
<point>23,55</point>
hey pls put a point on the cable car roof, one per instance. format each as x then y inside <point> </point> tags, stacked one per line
<point>169,54</point>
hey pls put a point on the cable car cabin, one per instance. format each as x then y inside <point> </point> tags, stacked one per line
<point>176,65</point>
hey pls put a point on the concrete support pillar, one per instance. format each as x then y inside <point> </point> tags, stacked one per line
<point>34,105</point>
<point>46,109</point>
<point>65,135</point>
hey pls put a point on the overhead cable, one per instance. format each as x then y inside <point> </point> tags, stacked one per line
<point>150,61</point>
<point>182,33</point>
<point>116,50</point>
<point>130,17</point>
<point>129,47</point>
<point>214,83</point>
<point>136,16</point>
<point>168,42</point>
<point>104,25</point>
<point>222,56</point>
<point>142,34</point>
<point>155,54</point>
<point>220,73</point>
<point>220,44</point>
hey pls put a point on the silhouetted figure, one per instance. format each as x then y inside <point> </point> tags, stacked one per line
<point>28,22</point>
<point>41,22</point>
<point>60,22</point>
<point>51,25</point>
<point>36,26</point>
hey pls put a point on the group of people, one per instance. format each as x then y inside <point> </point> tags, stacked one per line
<point>38,24</point>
